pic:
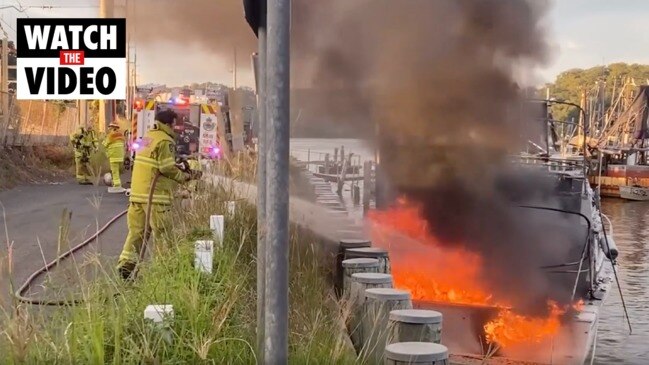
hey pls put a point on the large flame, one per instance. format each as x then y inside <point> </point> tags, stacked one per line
<point>450,273</point>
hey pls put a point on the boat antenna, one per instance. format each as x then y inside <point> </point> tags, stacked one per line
<point>617,279</point>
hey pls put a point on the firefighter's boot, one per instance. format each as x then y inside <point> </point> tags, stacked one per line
<point>117,188</point>
<point>136,217</point>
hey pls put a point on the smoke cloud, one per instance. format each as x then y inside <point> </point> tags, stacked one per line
<point>216,26</point>
<point>437,77</point>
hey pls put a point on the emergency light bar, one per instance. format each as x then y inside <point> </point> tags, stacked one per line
<point>179,100</point>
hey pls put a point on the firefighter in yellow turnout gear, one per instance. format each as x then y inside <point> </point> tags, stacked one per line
<point>84,142</point>
<point>156,158</point>
<point>114,144</point>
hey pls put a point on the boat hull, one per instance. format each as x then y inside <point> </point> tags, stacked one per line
<point>634,193</point>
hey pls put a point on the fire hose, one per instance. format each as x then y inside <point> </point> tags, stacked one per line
<point>21,292</point>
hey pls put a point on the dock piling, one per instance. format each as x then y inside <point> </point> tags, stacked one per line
<point>359,283</point>
<point>415,325</point>
<point>353,266</point>
<point>420,353</point>
<point>379,303</point>
<point>371,253</point>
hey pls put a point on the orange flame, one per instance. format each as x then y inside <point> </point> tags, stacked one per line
<point>510,328</point>
<point>433,272</point>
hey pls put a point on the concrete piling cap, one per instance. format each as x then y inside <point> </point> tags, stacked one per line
<point>369,251</point>
<point>410,352</point>
<point>372,278</point>
<point>418,316</point>
<point>387,293</point>
<point>360,262</point>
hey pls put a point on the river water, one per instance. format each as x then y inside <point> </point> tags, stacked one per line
<point>631,233</point>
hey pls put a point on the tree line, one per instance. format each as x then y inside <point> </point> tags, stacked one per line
<point>570,84</point>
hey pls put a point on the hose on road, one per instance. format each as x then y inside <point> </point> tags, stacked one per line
<point>20,293</point>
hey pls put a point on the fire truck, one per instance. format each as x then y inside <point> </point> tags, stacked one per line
<point>200,128</point>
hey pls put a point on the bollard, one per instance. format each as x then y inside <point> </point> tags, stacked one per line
<point>231,207</point>
<point>415,325</point>
<point>160,315</point>
<point>356,194</point>
<point>203,256</point>
<point>359,283</point>
<point>344,244</point>
<point>420,353</point>
<point>216,225</point>
<point>353,266</point>
<point>372,253</point>
<point>379,302</point>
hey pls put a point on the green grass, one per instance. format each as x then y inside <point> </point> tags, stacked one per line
<point>215,314</point>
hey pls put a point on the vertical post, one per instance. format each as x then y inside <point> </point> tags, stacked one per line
<point>43,121</point>
<point>28,117</point>
<point>261,185</point>
<point>234,70</point>
<point>278,129</point>
<point>4,85</point>
<point>582,120</point>
<point>326,164</point>
<point>335,156</point>
<point>367,181</point>
<point>106,107</point>
<point>342,157</point>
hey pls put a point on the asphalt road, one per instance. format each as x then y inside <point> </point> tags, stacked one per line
<point>33,215</point>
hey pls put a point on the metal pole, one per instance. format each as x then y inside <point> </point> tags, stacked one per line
<point>234,69</point>
<point>261,185</point>
<point>106,8</point>
<point>4,85</point>
<point>278,129</point>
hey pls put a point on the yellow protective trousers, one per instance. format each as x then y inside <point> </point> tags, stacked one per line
<point>82,172</point>
<point>115,168</point>
<point>136,217</point>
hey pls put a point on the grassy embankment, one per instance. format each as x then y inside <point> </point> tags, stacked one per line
<point>214,314</point>
<point>19,165</point>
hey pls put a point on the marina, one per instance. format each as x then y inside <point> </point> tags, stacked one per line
<point>462,320</point>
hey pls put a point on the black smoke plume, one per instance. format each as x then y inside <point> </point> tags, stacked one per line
<point>439,78</point>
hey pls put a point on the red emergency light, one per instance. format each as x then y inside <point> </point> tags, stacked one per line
<point>139,105</point>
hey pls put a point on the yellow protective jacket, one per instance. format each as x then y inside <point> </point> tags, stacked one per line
<point>114,144</point>
<point>156,156</point>
<point>83,141</point>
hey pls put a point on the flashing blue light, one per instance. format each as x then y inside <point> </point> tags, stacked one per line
<point>215,151</point>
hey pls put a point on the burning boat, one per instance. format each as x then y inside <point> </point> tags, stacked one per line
<point>519,261</point>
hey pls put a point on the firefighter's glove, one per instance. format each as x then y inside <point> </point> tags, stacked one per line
<point>195,174</point>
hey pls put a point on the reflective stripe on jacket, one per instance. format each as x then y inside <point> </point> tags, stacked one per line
<point>156,156</point>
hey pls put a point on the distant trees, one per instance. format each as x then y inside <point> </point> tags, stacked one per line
<point>569,84</point>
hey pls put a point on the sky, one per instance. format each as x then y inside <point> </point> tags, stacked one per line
<point>582,34</point>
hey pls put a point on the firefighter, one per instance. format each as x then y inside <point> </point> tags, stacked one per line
<point>84,143</point>
<point>156,157</point>
<point>114,144</point>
